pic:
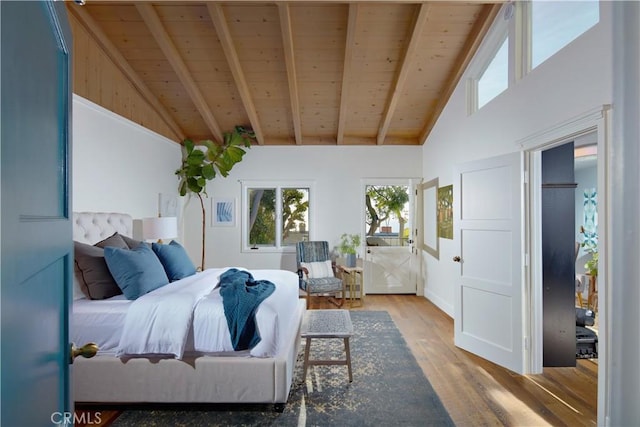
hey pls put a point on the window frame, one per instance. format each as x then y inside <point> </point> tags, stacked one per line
<point>526,13</point>
<point>501,30</point>
<point>514,21</point>
<point>278,186</point>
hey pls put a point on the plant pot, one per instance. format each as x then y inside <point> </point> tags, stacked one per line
<point>350,260</point>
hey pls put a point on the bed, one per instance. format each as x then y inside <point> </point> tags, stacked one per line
<point>197,372</point>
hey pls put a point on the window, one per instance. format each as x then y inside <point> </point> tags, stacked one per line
<point>495,78</point>
<point>524,35</point>
<point>276,215</point>
<point>555,24</point>
<point>490,72</point>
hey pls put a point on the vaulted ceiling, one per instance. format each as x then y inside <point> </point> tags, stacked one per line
<point>297,72</point>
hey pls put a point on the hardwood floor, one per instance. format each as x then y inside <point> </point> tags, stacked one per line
<point>474,391</point>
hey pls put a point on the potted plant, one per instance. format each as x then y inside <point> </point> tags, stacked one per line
<point>349,243</point>
<point>199,166</point>
<point>591,266</point>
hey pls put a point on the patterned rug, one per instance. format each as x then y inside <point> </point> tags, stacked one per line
<point>388,389</point>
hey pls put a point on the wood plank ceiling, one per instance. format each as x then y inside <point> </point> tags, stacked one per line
<point>298,73</point>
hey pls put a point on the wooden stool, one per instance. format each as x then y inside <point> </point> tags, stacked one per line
<point>327,324</point>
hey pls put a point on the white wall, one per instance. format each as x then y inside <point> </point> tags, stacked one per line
<point>572,82</point>
<point>337,173</point>
<point>119,166</point>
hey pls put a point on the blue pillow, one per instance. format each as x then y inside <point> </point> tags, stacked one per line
<point>175,260</point>
<point>137,271</point>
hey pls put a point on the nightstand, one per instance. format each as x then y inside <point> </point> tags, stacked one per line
<point>354,281</point>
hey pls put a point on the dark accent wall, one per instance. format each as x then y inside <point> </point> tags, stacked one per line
<point>558,256</point>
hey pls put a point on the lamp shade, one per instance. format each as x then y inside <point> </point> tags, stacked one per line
<point>164,227</point>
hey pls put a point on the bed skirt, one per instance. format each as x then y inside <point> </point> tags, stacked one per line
<point>204,379</point>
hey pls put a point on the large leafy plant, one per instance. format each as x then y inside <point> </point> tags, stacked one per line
<point>204,161</point>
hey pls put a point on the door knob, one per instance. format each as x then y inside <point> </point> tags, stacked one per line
<point>88,350</point>
<point>456,258</point>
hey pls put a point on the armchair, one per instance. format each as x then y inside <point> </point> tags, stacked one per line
<point>317,272</point>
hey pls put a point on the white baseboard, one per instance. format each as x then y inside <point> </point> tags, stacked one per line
<point>439,302</point>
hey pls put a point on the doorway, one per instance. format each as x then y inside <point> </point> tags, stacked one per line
<point>390,259</point>
<point>596,122</point>
<point>569,251</point>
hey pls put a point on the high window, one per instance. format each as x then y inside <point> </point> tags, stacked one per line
<point>555,24</point>
<point>523,36</point>
<point>276,215</point>
<point>495,78</point>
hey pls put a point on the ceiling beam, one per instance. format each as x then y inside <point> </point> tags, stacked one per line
<point>405,68</point>
<point>289,57</point>
<point>93,28</point>
<point>471,46</point>
<point>346,70</point>
<point>222,29</point>
<point>170,51</point>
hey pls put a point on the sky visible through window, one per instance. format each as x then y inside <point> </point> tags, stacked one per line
<point>555,24</point>
<point>495,79</point>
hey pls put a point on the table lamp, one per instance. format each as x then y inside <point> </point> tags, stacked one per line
<point>162,227</point>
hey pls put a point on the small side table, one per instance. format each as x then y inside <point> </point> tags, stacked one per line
<point>327,324</point>
<point>354,280</point>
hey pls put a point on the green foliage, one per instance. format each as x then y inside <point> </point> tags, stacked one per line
<point>592,265</point>
<point>262,217</point>
<point>382,203</point>
<point>262,214</point>
<point>293,209</point>
<point>201,165</point>
<point>349,243</point>
<point>590,247</point>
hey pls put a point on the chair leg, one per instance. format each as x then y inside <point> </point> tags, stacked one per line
<point>336,302</point>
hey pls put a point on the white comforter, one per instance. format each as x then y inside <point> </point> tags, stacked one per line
<point>160,322</point>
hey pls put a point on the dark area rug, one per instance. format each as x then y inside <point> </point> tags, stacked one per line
<point>388,389</point>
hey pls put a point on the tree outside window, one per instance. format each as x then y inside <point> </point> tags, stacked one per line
<point>277,216</point>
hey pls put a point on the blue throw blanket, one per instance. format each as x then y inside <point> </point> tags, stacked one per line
<point>241,296</point>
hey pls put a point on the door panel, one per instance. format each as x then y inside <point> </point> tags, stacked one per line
<point>390,261</point>
<point>37,247</point>
<point>391,270</point>
<point>558,256</point>
<point>488,226</point>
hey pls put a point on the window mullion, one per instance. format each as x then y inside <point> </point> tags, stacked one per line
<point>279,199</point>
<point>521,30</point>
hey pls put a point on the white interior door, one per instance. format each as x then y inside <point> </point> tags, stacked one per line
<point>390,260</point>
<point>488,210</point>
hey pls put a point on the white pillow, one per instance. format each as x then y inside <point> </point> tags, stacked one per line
<point>318,269</point>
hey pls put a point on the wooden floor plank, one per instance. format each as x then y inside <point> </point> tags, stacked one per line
<point>474,391</point>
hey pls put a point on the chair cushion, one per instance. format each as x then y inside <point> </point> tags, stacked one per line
<point>319,269</point>
<point>322,285</point>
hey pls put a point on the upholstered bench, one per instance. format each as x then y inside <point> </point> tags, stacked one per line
<point>327,324</point>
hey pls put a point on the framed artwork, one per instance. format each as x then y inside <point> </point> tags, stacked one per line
<point>445,212</point>
<point>430,241</point>
<point>167,205</point>
<point>223,212</point>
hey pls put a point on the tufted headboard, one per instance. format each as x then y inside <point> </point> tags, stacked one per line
<point>92,227</point>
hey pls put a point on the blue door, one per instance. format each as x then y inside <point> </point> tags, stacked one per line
<point>37,251</point>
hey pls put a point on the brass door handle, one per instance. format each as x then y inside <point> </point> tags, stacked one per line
<point>88,350</point>
<point>456,258</point>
